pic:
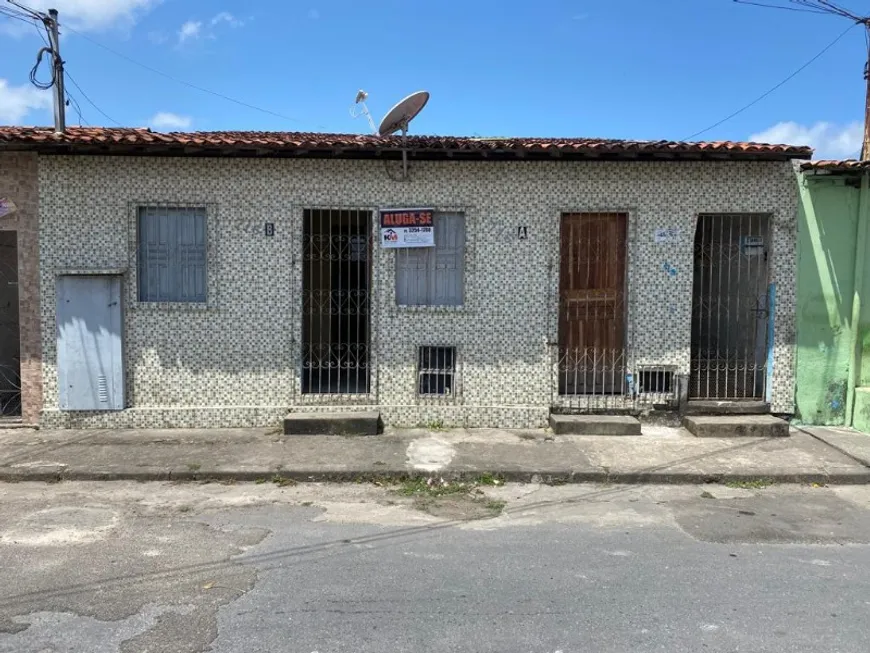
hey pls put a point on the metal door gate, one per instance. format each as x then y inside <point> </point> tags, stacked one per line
<point>335,301</point>
<point>729,307</point>
<point>592,349</point>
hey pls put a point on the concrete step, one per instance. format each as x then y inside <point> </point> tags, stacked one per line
<point>594,425</point>
<point>352,423</point>
<point>730,426</point>
<point>722,407</point>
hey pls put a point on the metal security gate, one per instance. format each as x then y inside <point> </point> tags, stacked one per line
<point>10,366</point>
<point>730,307</point>
<point>592,307</point>
<point>335,301</point>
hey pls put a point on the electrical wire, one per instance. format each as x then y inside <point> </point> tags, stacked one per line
<point>767,6</point>
<point>26,10</point>
<point>33,71</point>
<point>90,101</point>
<point>4,11</point>
<point>824,7</point>
<point>830,7</point>
<point>71,101</point>
<point>41,34</point>
<point>766,93</point>
<point>183,82</point>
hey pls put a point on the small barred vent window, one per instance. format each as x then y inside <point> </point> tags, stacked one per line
<point>656,381</point>
<point>436,371</point>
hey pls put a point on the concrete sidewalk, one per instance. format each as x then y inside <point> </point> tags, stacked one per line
<point>661,455</point>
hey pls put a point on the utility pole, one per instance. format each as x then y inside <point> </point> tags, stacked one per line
<point>50,22</point>
<point>57,65</point>
<point>865,145</point>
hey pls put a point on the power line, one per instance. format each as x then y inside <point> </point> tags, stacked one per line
<point>41,34</point>
<point>5,11</point>
<point>183,82</point>
<point>765,94</point>
<point>26,10</point>
<point>830,8</point>
<point>809,6</point>
<point>767,6</point>
<point>90,101</point>
<point>75,105</point>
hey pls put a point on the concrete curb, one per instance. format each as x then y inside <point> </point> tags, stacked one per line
<point>363,476</point>
<point>836,447</point>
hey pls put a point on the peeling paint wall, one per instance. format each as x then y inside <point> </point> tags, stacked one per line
<point>828,226</point>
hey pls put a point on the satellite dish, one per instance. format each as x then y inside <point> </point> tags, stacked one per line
<point>403,113</point>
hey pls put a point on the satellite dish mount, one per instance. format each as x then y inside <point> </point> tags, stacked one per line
<point>399,118</point>
<point>355,111</point>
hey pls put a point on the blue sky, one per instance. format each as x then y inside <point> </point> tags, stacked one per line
<point>645,69</point>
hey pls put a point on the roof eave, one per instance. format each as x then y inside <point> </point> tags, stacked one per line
<point>345,151</point>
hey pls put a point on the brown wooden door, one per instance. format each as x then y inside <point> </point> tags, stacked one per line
<point>592,303</point>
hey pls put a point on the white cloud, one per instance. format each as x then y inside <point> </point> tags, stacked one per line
<point>192,29</point>
<point>196,29</point>
<point>313,14</point>
<point>96,14</point>
<point>829,141</point>
<point>164,120</point>
<point>16,102</point>
<point>228,18</point>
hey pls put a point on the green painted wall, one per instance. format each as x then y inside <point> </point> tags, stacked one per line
<point>827,232</point>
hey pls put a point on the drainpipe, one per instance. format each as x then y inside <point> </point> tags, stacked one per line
<point>860,262</point>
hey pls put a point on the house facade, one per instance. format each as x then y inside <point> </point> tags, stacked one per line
<point>226,279</point>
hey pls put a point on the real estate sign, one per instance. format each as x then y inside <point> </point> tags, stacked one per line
<point>407,228</point>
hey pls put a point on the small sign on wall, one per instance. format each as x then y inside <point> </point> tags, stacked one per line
<point>7,206</point>
<point>407,228</point>
<point>667,235</point>
<point>752,245</point>
<point>270,229</point>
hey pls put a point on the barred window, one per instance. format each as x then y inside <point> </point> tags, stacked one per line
<point>436,371</point>
<point>172,254</point>
<point>434,276</point>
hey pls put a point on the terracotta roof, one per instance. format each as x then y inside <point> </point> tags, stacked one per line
<point>247,143</point>
<point>845,165</point>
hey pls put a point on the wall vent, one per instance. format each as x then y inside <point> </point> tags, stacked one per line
<point>436,371</point>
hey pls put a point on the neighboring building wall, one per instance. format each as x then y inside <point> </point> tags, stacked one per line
<point>19,180</point>
<point>828,227</point>
<point>236,361</point>
<point>833,327</point>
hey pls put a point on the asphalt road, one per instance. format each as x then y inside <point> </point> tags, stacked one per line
<point>99,568</point>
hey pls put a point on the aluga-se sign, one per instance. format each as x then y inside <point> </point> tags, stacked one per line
<point>407,228</point>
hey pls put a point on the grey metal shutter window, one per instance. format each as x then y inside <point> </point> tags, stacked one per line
<point>434,276</point>
<point>172,254</point>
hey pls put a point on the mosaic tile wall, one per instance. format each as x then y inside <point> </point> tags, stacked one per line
<point>235,361</point>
